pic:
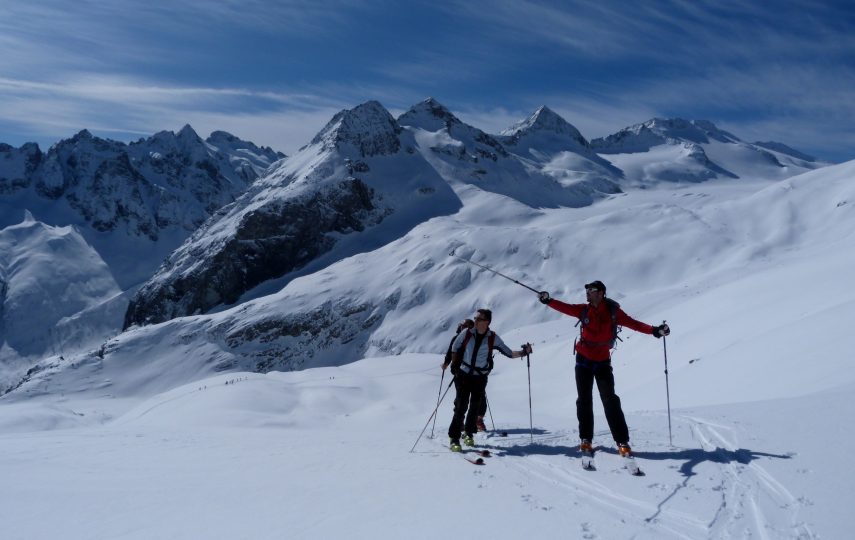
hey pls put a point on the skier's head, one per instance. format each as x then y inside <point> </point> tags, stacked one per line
<point>482,320</point>
<point>598,285</point>
<point>595,291</point>
<point>465,324</point>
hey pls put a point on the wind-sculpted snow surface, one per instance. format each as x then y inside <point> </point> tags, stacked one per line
<point>359,185</point>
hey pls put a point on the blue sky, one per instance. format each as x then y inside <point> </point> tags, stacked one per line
<point>275,72</point>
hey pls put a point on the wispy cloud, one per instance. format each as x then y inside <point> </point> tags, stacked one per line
<point>136,68</point>
<point>124,106</point>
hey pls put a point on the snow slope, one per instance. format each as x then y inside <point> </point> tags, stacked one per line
<point>753,277</point>
<point>58,296</point>
<point>677,150</point>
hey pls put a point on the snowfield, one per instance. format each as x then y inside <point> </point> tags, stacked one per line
<point>147,440</point>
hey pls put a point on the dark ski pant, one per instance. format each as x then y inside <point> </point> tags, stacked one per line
<point>470,393</point>
<point>587,372</point>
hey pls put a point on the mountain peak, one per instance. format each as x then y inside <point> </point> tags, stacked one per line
<point>187,132</point>
<point>641,137</point>
<point>544,119</point>
<point>430,115</point>
<point>368,127</point>
<point>221,136</point>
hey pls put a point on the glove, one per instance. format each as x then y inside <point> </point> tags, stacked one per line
<point>544,298</point>
<point>526,348</point>
<point>661,330</point>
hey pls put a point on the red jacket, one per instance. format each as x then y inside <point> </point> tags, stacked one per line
<point>595,342</point>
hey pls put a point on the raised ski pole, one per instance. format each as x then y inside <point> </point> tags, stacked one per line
<point>432,414</point>
<point>667,389</point>
<point>530,421</point>
<point>437,403</point>
<point>493,271</point>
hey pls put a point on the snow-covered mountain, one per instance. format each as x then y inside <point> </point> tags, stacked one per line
<point>133,202</point>
<point>371,209</point>
<point>56,295</point>
<point>362,170</point>
<point>560,150</point>
<point>358,185</point>
<point>464,154</point>
<point>754,370</point>
<point>677,150</point>
<point>98,217</point>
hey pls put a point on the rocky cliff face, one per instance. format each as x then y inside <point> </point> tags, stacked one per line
<point>165,181</point>
<point>267,242</point>
<point>359,184</point>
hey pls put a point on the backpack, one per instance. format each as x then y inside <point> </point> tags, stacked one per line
<point>584,321</point>
<point>457,361</point>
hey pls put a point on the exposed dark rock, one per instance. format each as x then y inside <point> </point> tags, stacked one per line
<point>269,242</point>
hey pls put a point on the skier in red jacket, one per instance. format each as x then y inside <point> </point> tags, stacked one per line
<point>600,319</point>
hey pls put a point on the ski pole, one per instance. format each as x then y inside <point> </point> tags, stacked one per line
<point>530,421</point>
<point>667,389</point>
<point>437,402</point>
<point>432,414</point>
<point>491,413</point>
<point>493,271</point>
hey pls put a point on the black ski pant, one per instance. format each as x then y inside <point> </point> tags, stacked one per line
<point>588,371</point>
<point>467,403</point>
<point>482,410</point>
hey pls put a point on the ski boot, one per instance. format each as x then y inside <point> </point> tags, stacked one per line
<point>454,445</point>
<point>468,440</point>
<point>479,423</point>
<point>624,450</point>
<point>585,446</point>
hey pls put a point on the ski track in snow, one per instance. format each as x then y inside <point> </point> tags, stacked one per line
<point>752,504</point>
<point>744,485</point>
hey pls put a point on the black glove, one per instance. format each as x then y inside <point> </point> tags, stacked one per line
<point>526,348</point>
<point>661,330</point>
<point>544,298</point>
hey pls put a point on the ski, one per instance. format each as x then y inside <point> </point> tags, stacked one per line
<point>631,466</point>
<point>588,461</point>
<point>474,460</point>
<point>476,457</point>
